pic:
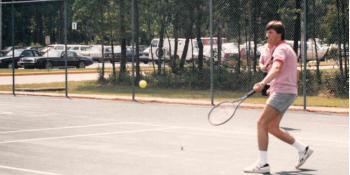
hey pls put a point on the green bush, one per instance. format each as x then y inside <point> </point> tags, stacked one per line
<point>337,85</point>
<point>312,85</point>
<point>332,83</point>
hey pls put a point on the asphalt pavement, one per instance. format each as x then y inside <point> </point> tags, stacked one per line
<point>60,136</point>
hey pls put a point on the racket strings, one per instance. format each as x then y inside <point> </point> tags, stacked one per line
<point>223,112</point>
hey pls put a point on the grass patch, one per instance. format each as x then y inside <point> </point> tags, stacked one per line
<point>91,87</point>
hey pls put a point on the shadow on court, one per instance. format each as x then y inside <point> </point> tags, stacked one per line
<point>290,129</point>
<point>299,172</point>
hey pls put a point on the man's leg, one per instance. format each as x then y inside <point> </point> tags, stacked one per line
<point>269,114</point>
<point>274,129</point>
<point>303,150</point>
<point>262,166</point>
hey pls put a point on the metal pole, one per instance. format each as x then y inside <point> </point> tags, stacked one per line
<point>133,50</point>
<point>65,45</point>
<point>303,48</point>
<point>13,47</point>
<point>211,51</point>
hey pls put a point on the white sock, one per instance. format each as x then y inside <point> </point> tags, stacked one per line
<point>262,157</point>
<point>299,146</point>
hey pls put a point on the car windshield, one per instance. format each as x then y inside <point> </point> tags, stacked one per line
<point>17,53</point>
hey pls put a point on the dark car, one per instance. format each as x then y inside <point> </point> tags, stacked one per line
<point>6,61</point>
<point>129,55</point>
<point>56,59</point>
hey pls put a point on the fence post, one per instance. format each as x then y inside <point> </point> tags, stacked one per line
<point>65,46</point>
<point>13,47</point>
<point>133,50</point>
<point>303,47</point>
<point>211,51</point>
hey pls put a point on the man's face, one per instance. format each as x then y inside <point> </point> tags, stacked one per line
<point>272,36</point>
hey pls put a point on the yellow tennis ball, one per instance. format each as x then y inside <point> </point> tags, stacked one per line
<point>143,84</point>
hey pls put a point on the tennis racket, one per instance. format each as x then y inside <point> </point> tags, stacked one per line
<point>224,111</point>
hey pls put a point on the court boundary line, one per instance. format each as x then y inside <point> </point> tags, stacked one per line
<point>27,170</point>
<point>69,127</point>
<point>86,135</point>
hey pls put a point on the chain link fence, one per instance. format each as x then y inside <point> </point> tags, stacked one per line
<point>170,44</point>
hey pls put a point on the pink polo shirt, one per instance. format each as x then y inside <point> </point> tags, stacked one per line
<point>286,80</point>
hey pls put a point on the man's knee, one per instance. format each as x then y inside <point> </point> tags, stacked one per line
<point>263,122</point>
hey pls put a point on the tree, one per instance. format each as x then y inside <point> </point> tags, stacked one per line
<point>122,37</point>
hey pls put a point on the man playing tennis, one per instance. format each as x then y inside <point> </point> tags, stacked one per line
<point>282,76</point>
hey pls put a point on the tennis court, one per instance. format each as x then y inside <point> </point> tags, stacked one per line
<point>59,136</point>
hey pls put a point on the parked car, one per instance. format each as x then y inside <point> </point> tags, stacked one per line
<point>95,52</point>
<point>78,48</point>
<point>9,48</point>
<point>117,54</point>
<point>6,61</point>
<point>230,50</point>
<point>2,54</point>
<point>247,49</point>
<point>311,52</point>
<point>73,59</point>
<point>169,46</point>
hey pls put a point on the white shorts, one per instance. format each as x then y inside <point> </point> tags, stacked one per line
<point>280,101</point>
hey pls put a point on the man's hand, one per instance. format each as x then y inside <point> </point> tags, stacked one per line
<point>258,87</point>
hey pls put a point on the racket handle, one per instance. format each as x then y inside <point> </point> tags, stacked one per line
<point>250,93</point>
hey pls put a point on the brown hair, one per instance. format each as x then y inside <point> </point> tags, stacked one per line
<point>277,26</point>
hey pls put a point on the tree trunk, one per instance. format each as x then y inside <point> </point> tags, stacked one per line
<point>137,51</point>
<point>114,75</point>
<point>199,40</point>
<point>340,57</point>
<point>238,64</point>
<point>102,73</point>
<point>151,36</point>
<point>297,26</point>
<point>160,45</point>
<point>255,33</point>
<point>247,44</point>
<point>174,58</point>
<point>318,73</point>
<point>345,32</point>
<point>122,40</point>
<point>219,41</point>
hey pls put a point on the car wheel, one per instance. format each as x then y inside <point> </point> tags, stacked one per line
<point>48,65</point>
<point>81,65</point>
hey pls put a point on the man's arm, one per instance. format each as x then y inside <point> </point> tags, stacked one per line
<point>275,70</point>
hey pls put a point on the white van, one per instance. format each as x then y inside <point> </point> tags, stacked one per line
<point>78,48</point>
<point>168,48</point>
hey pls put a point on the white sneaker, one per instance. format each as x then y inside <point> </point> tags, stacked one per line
<point>257,168</point>
<point>303,156</point>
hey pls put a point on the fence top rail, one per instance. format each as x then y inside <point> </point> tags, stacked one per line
<point>29,1</point>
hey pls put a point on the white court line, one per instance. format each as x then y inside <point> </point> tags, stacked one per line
<point>27,170</point>
<point>6,113</point>
<point>71,127</point>
<point>86,135</point>
<point>217,133</point>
